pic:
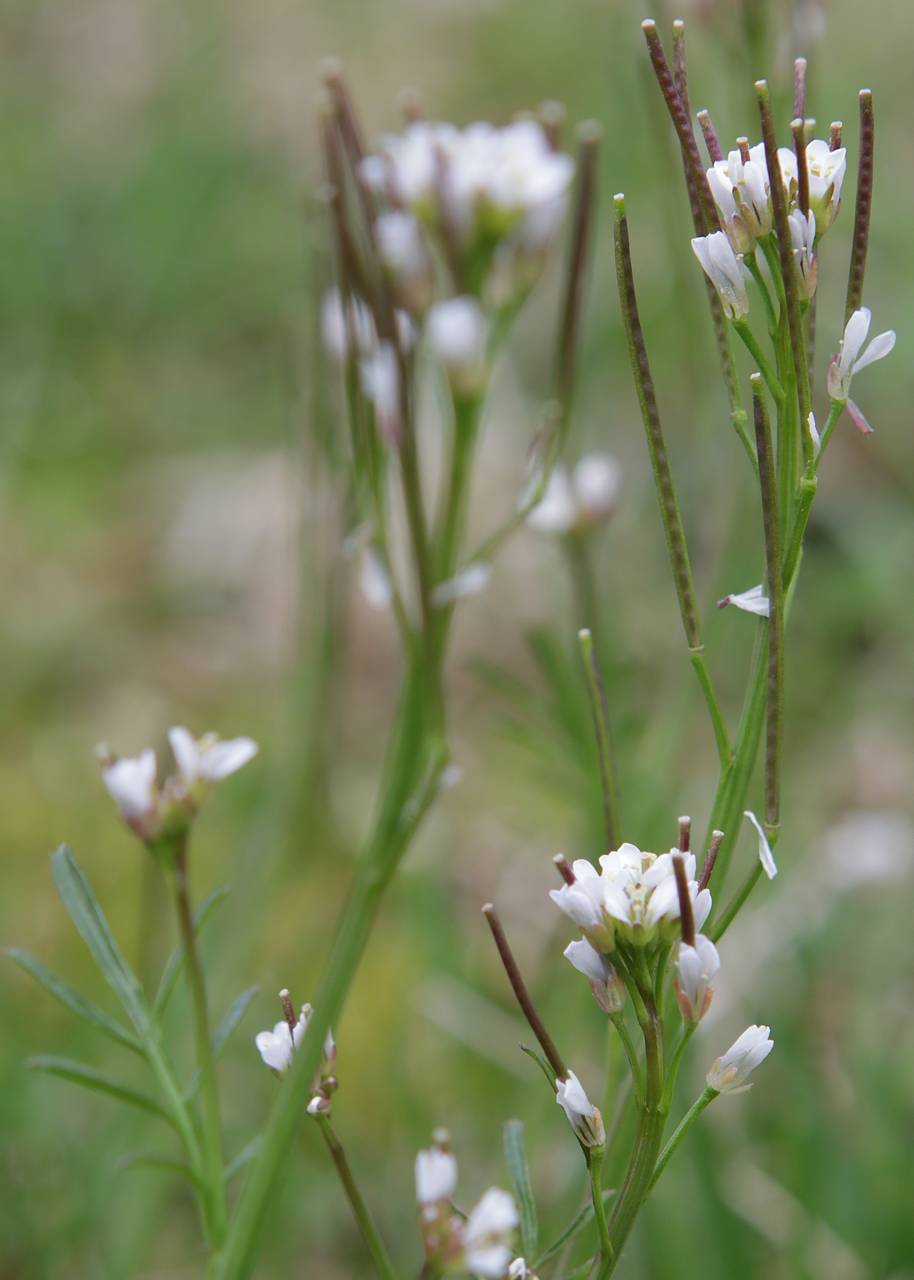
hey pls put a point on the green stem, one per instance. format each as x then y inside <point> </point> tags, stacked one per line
<point>721,735</point>
<point>609,781</point>
<point>761,360</point>
<point>595,1167</point>
<point>685,1124</point>
<point>360,1210</point>
<point>214,1166</point>
<point>675,1061</point>
<point>618,1021</point>
<point>834,413</point>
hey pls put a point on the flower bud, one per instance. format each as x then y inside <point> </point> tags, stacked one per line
<point>730,1072</point>
<point>403,252</point>
<point>605,983</point>
<point>697,966</point>
<point>725,270</point>
<point>584,1118</point>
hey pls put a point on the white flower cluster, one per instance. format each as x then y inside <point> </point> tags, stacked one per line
<point>632,900</point>
<point>742,195</point>
<point>148,809</point>
<point>277,1049</point>
<point>480,1243</point>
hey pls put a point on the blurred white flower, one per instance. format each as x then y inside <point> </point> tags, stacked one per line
<point>697,966</point>
<point>803,239</point>
<point>131,783</point>
<point>752,601</point>
<point>458,333</point>
<point>374,579</point>
<point>436,1175</point>
<point>403,251</point>
<point>342,325</point>
<point>730,1072</point>
<point>765,856</point>
<point>583,1117</point>
<point>208,759</point>
<point>488,1232</point>
<point>851,357</point>
<point>586,498</point>
<point>725,270</point>
<point>380,378</point>
<point>469,582</point>
<point>519,1270</point>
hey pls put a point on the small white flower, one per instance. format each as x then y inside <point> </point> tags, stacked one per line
<point>730,1072</point>
<point>697,966</point>
<point>803,239</point>
<point>208,759</point>
<point>752,601</point>
<point>586,498</point>
<point>458,333</point>
<point>725,270</point>
<point>403,251</point>
<point>379,374</point>
<point>740,191</point>
<point>469,582</point>
<point>851,357</point>
<point>131,782</point>
<point>374,580</point>
<point>582,901</point>
<point>277,1046</point>
<point>436,1175</point>
<point>765,856</point>
<point>826,170</point>
<point>519,1270</point>
<point>607,986</point>
<point>487,1234</point>
<point>583,1117</point>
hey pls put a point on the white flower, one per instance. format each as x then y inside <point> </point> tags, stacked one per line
<point>519,1270</point>
<point>851,357</point>
<point>803,239</point>
<point>487,1234</point>
<point>730,1072</point>
<point>374,579</point>
<point>436,1175</point>
<point>469,582</point>
<point>765,856</point>
<point>697,966</point>
<point>752,601</point>
<point>582,901</point>
<point>741,193</point>
<point>605,983</point>
<point>826,170</point>
<point>277,1046</point>
<point>585,498</point>
<point>458,334</point>
<point>131,783</point>
<point>725,270</point>
<point>379,374</point>
<point>208,759</point>
<point>583,1117</point>
<point>340,326</point>
<point>403,252</point>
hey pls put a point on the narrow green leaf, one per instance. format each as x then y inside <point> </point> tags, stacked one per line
<point>89,919</point>
<point>89,1078</point>
<point>244,1156</point>
<point>175,964</point>
<point>73,1000</point>
<point>152,1160</point>
<point>541,1063</point>
<point>577,1224</point>
<point>516,1159</point>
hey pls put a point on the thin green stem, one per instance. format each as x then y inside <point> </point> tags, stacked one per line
<point>754,270</point>
<point>595,1168</point>
<point>685,1124</point>
<point>609,782</point>
<point>213,1162</point>
<point>762,362</point>
<point>360,1210</point>
<point>618,1021</point>
<point>834,414</point>
<point>675,1062</point>
<point>721,734</point>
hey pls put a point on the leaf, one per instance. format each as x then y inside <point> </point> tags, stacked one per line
<point>74,1001</point>
<point>244,1156</point>
<point>89,1078</point>
<point>541,1063</point>
<point>223,1031</point>
<point>89,919</point>
<point>175,964</point>
<point>577,1224</point>
<point>516,1159</point>
<point>152,1160</point>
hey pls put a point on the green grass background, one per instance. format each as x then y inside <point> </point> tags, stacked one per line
<point>169,555</point>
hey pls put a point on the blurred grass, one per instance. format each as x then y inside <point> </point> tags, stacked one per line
<point>168,542</point>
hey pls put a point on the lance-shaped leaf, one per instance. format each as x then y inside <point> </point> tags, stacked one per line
<point>175,963</point>
<point>81,1073</point>
<point>516,1159</point>
<point>74,1001</point>
<point>153,1160</point>
<point>228,1024</point>
<point>94,930</point>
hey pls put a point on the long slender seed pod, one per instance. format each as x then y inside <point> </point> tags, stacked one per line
<point>519,987</point>
<point>712,142</point>
<point>680,71</point>
<point>799,88</point>
<point>798,129</point>
<point>863,206</point>
<point>589,137</point>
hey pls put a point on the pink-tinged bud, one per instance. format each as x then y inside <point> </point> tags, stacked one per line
<point>697,966</point>
<point>583,1117</point>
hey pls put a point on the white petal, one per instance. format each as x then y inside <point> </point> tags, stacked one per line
<point>469,582</point>
<point>436,1176</point>
<point>184,749</point>
<point>765,856</point>
<point>131,784</point>
<point>223,758</point>
<point>855,332</point>
<point>878,349</point>
<point>752,601</point>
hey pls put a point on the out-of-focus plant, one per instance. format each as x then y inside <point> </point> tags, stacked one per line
<point>439,236</point>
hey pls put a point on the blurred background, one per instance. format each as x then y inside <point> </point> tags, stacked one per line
<point>171,555</point>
